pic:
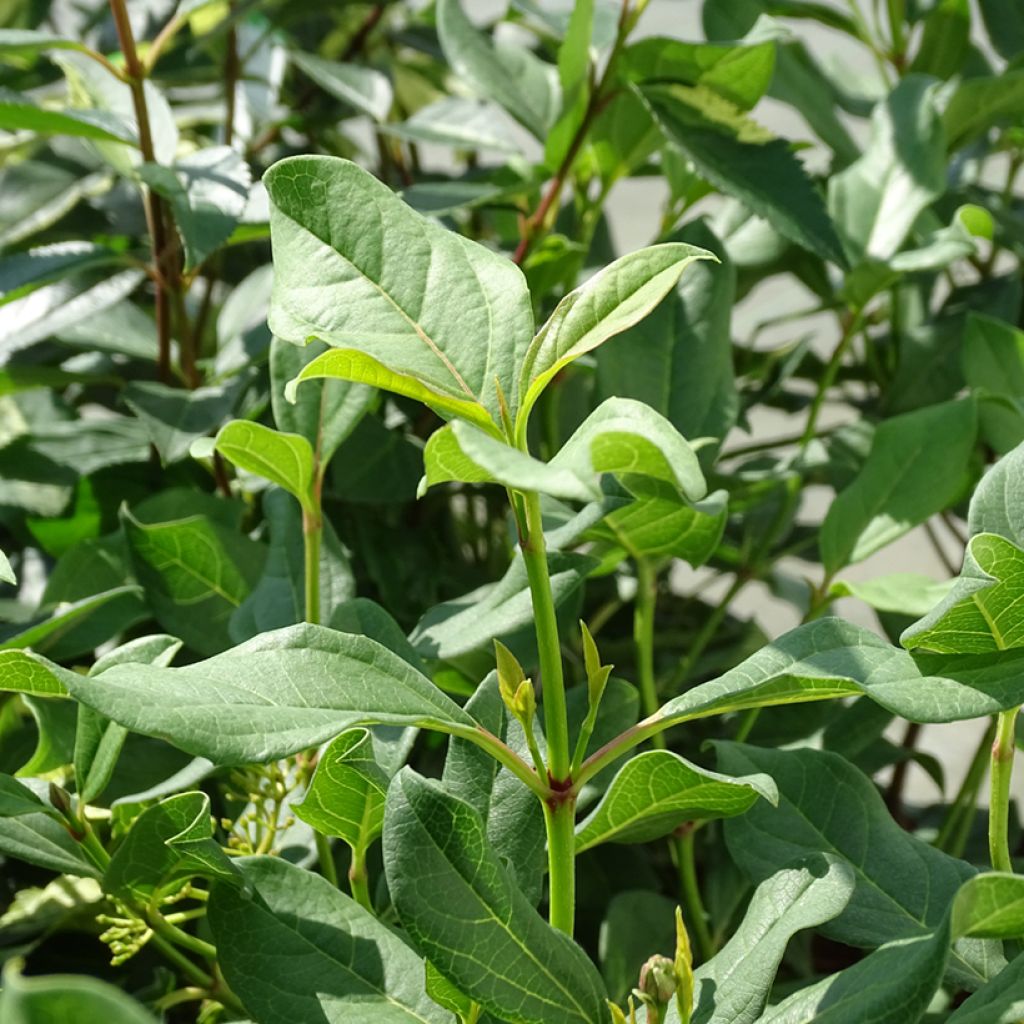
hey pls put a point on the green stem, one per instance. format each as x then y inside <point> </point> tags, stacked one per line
<point>747,723</point>
<point>953,834</point>
<point>358,880</point>
<point>326,858</point>
<point>162,927</point>
<point>851,323</point>
<point>175,956</point>
<point>312,533</point>
<point>556,728</point>
<point>693,906</point>
<point>560,820</point>
<point>1003,750</point>
<point>643,638</point>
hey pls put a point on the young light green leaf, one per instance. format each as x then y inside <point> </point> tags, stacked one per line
<point>283,691</point>
<point>981,612</point>
<point>298,949</point>
<point>27,672</point>
<point>346,795</point>
<point>495,609</point>
<point>631,440</point>
<point>195,572</point>
<point>916,468</point>
<point>732,987</point>
<point>657,790</point>
<point>283,459</point>
<point>59,997</point>
<point>903,886</point>
<point>509,75</point>
<point>485,938</point>
<point>20,113</point>
<point>742,160</point>
<point>876,200</point>
<point>167,844</point>
<point>326,413</point>
<point>989,906</point>
<point>405,304</point>
<point>364,89</point>
<point>678,360</point>
<point>612,301</point>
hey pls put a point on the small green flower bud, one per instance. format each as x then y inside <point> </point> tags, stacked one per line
<point>510,674</point>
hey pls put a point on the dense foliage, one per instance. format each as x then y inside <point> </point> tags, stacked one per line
<point>352,668</point>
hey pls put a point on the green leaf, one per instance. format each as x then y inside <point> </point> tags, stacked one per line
<point>678,360</point>
<point>405,304</point>
<point>324,414</point>
<point>903,593</point>
<point>989,906</point>
<point>893,985</point>
<point>981,612</point>
<point>6,572</point>
<point>283,459</point>
<point>25,672</point>
<point>168,844</point>
<point>511,813</point>
<point>998,502</point>
<point>98,741</point>
<point>17,799</point>
<point>484,937</point>
<point>831,658</point>
<point>980,103</point>
<point>39,839</point>
<point>20,113</point>
<point>509,75</point>
<point>1004,26</point>
<point>345,797</point>
<point>365,90</point>
<point>903,886</point>
<point>658,790</point>
<point>612,301</point>
<point>739,73</point>
<point>235,708</point>
<point>495,610</point>
<point>993,363</point>
<point>945,41</point>
<point>733,986</point>
<point>632,441</point>
<point>1001,1001</point>
<point>195,572</point>
<point>24,272</point>
<point>916,467</point>
<point>45,634</point>
<point>24,42</point>
<point>298,949</point>
<point>459,122</point>
<point>174,418</point>
<point>208,191</point>
<point>876,200</point>
<point>60,997</point>
<point>45,192</point>
<point>279,598</point>
<point>55,307</point>
<point>742,160</point>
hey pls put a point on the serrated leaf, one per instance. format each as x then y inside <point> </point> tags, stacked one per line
<point>238,707</point>
<point>509,75</point>
<point>364,89</point>
<point>612,301</point>
<point>656,791</point>
<point>485,938</point>
<point>743,161</point>
<point>345,797</point>
<point>298,949</point>
<point>903,886</point>
<point>916,467</point>
<point>405,304</point>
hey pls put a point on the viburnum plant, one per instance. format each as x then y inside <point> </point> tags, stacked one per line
<point>361,507</point>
